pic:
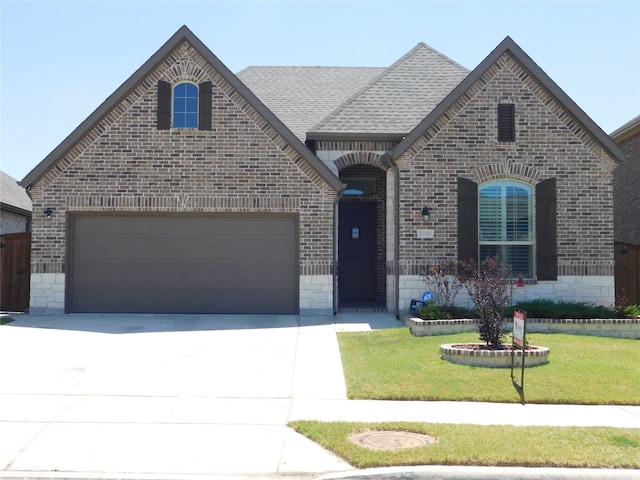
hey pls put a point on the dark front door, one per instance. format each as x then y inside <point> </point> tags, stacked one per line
<point>357,253</point>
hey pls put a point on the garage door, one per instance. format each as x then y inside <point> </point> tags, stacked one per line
<point>183,264</point>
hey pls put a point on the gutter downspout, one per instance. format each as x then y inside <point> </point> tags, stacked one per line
<point>389,160</point>
<point>335,247</point>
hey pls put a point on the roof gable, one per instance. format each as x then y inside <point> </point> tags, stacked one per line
<point>182,35</point>
<point>398,99</point>
<point>537,74</point>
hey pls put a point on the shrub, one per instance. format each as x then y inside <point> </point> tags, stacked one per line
<point>632,311</point>
<point>443,279</point>
<point>431,311</point>
<point>491,288</point>
<point>546,308</point>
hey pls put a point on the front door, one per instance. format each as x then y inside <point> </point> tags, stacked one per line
<point>357,265</point>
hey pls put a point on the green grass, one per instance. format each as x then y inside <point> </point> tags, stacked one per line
<point>5,320</point>
<point>394,365</point>
<point>577,447</point>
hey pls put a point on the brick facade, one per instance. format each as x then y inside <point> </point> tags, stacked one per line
<point>548,144</point>
<point>125,164</point>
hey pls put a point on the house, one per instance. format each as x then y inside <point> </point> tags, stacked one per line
<point>312,189</point>
<point>626,181</point>
<point>15,206</point>
<point>626,203</point>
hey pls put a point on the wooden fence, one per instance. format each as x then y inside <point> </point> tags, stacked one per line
<point>15,271</point>
<point>627,272</point>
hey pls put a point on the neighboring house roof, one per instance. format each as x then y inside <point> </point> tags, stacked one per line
<point>13,197</point>
<point>183,34</point>
<point>397,100</point>
<point>632,127</point>
<point>508,45</point>
<point>302,96</point>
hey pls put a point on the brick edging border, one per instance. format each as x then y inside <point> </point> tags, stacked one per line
<point>603,327</point>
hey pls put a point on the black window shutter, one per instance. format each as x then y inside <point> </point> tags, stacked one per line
<point>467,220</point>
<point>506,122</point>
<point>546,235</point>
<point>164,105</point>
<point>204,106</point>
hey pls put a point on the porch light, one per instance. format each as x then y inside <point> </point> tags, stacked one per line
<point>426,211</point>
<point>48,212</point>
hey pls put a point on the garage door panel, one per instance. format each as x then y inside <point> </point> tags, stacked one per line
<point>184,264</point>
<point>136,249</point>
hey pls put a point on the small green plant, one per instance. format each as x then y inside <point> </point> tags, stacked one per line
<point>431,311</point>
<point>632,311</point>
<point>461,312</point>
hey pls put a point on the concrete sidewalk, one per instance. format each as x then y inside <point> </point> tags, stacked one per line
<point>158,397</point>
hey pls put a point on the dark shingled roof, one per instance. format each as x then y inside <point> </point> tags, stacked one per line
<point>330,102</point>
<point>302,96</point>
<point>399,98</point>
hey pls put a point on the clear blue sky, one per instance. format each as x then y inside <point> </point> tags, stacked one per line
<point>61,60</point>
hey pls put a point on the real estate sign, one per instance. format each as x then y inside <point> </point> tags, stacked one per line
<point>519,320</point>
<point>519,340</point>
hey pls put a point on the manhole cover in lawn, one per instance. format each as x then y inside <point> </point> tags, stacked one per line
<point>384,440</point>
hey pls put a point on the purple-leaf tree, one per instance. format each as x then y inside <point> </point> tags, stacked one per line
<point>491,288</point>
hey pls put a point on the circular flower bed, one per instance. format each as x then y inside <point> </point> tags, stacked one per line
<point>481,355</point>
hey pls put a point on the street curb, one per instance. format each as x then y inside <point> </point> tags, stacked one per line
<point>441,472</point>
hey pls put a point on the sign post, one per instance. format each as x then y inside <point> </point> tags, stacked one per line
<point>519,341</point>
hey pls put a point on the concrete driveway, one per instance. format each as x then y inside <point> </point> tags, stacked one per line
<point>116,395</point>
<point>191,397</point>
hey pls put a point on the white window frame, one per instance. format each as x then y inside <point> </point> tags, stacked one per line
<point>503,221</point>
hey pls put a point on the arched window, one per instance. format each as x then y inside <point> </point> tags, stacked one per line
<point>185,105</point>
<point>506,224</point>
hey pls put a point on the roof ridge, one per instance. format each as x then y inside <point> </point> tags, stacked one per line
<point>443,56</point>
<point>359,93</point>
<point>392,68</point>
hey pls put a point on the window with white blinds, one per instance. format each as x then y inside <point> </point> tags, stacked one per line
<point>505,224</point>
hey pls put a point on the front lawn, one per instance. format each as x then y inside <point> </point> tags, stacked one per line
<point>394,365</point>
<point>491,445</point>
